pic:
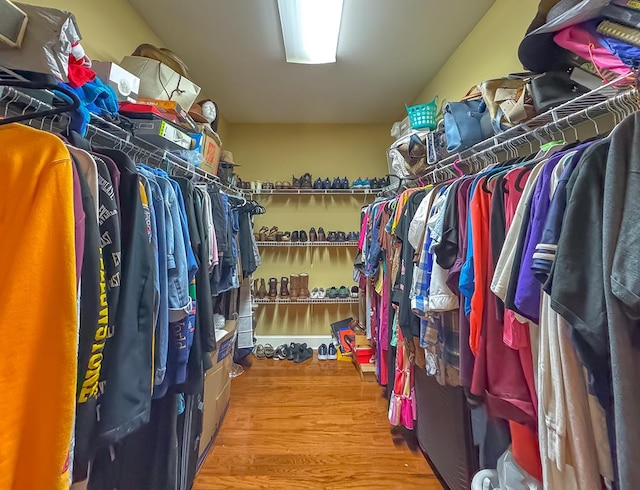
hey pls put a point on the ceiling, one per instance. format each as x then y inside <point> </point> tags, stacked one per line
<point>387,52</point>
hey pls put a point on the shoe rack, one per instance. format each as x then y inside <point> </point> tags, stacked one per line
<point>327,263</point>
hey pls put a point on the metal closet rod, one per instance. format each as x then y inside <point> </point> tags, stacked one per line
<point>621,105</point>
<point>159,156</point>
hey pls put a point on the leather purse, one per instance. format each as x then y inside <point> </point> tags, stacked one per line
<point>508,101</point>
<point>466,123</point>
<point>554,88</point>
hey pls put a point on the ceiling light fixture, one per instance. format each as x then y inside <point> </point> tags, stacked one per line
<point>310,29</point>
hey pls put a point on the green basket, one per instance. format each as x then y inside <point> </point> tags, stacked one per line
<point>423,115</point>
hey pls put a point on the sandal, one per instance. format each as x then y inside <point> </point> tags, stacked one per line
<point>281,353</point>
<point>258,351</point>
<point>263,233</point>
<point>269,351</point>
<point>271,237</point>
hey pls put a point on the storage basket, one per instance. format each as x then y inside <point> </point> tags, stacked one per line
<point>423,115</point>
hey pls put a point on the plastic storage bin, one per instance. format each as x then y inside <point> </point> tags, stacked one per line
<point>423,115</point>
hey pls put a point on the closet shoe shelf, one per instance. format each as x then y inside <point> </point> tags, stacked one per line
<point>306,301</point>
<point>307,244</point>
<point>310,192</point>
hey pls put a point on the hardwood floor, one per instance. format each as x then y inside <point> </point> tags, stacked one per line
<point>310,425</point>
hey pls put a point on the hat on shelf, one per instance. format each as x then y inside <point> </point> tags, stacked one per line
<point>538,52</point>
<point>164,56</point>
<point>227,158</point>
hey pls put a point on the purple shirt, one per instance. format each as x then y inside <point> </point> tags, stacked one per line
<point>527,297</point>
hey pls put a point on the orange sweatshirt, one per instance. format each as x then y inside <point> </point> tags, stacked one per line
<point>38,314</point>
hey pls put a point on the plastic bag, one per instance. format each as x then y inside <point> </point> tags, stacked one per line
<point>47,42</point>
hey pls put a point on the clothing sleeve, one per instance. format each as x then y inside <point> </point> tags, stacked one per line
<point>447,250</point>
<point>625,274</point>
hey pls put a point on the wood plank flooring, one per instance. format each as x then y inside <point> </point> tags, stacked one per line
<point>310,425</point>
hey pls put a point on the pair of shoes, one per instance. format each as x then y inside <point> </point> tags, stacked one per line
<point>353,236</point>
<point>304,182</point>
<point>361,184</point>
<point>318,293</point>
<point>264,351</point>
<point>332,292</point>
<point>317,236</point>
<point>337,236</point>
<point>297,353</point>
<point>355,291</point>
<point>299,236</point>
<point>281,353</point>
<point>340,183</point>
<point>343,292</point>
<point>299,284</point>
<point>327,352</point>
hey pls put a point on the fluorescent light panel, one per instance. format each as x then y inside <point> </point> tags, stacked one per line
<point>310,29</point>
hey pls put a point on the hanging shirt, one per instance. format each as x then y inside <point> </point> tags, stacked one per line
<point>38,361</point>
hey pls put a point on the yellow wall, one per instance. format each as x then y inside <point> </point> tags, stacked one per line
<point>489,51</point>
<point>273,152</point>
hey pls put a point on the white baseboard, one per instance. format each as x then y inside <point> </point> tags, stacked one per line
<point>312,341</point>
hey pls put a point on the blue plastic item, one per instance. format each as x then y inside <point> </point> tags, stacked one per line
<point>423,115</point>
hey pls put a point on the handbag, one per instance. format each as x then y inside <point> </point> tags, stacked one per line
<point>554,88</point>
<point>466,123</point>
<point>414,153</point>
<point>508,101</point>
<point>158,81</point>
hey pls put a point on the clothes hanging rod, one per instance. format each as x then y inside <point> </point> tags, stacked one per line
<point>621,105</point>
<point>10,96</point>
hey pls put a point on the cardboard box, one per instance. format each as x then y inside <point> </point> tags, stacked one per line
<point>217,384</point>
<point>124,83</point>
<point>172,111</point>
<point>158,81</point>
<point>211,150</point>
<point>162,134</point>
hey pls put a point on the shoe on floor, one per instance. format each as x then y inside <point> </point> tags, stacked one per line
<point>304,354</point>
<point>332,352</point>
<point>281,353</point>
<point>323,352</point>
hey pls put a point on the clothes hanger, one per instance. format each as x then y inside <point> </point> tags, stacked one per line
<point>73,105</point>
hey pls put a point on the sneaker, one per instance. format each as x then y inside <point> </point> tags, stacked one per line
<point>304,353</point>
<point>345,183</point>
<point>356,184</point>
<point>317,184</point>
<point>321,293</point>
<point>332,352</point>
<point>366,184</point>
<point>323,352</point>
<point>355,292</point>
<point>326,183</point>
<point>343,292</point>
<point>314,293</point>
<point>332,293</point>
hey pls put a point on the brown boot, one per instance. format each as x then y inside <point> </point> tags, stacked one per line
<point>254,288</point>
<point>262,290</point>
<point>284,289</point>
<point>294,287</point>
<point>304,286</point>
<point>273,288</point>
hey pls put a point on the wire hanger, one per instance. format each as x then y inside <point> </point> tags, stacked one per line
<point>73,105</point>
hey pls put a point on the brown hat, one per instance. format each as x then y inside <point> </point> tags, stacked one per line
<point>227,157</point>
